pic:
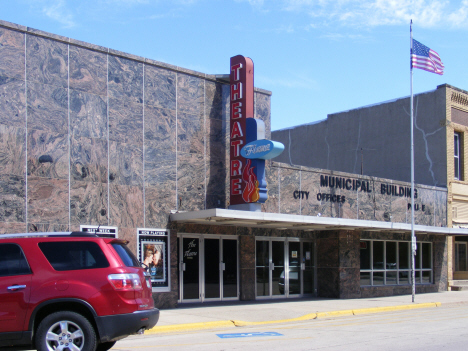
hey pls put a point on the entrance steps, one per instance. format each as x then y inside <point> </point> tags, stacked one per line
<point>458,285</point>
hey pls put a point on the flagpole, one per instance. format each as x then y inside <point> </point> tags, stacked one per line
<point>413,238</point>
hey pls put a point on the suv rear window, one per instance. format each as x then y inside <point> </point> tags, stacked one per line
<point>127,257</point>
<point>73,255</point>
<point>12,261</point>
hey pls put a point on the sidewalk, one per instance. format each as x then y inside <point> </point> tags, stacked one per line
<point>240,313</point>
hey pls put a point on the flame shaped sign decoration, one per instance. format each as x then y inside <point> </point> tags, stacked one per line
<point>251,190</point>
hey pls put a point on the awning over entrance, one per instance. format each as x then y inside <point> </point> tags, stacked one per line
<point>217,216</point>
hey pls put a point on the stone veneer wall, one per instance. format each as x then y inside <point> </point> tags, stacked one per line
<point>91,135</point>
<point>126,139</point>
<point>284,179</point>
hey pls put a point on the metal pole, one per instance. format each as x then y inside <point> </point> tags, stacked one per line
<point>413,238</point>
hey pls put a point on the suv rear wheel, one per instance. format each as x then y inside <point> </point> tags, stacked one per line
<point>67,331</point>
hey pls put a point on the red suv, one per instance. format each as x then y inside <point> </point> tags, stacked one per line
<point>71,291</point>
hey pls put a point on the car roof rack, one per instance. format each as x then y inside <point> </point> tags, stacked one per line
<point>48,234</point>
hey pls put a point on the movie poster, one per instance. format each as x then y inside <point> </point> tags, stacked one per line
<point>153,260</point>
<point>153,253</point>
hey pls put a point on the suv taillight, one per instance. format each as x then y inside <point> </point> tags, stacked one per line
<point>148,279</point>
<point>130,281</point>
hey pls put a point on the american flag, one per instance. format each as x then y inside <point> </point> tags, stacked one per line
<point>427,59</point>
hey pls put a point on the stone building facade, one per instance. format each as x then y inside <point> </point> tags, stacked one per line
<point>90,136</point>
<point>375,140</point>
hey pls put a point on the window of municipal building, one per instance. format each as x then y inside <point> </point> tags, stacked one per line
<point>389,263</point>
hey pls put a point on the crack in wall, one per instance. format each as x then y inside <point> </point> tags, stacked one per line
<point>425,136</point>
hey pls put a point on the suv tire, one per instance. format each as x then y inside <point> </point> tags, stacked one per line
<point>64,330</point>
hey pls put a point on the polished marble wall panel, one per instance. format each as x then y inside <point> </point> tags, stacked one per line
<point>216,145</point>
<point>125,122</point>
<point>159,202</point>
<point>310,205</point>
<point>272,204</point>
<point>12,228</point>
<point>88,203</point>
<point>88,71</point>
<point>190,133</point>
<point>12,102</point>
<point>48,154</point>
<point>88,159</point>
<point>440,209</point>
<point>12,150</point>
<point>191,181</point>
<point>289,179</point>
<point>126,165</point>
<point>11,53</point>
<point>383,205</point>
<point>126,206</point>
<point>214,100</point>
<point>88,115</point>
<point>329,284</point>
<point>216,175</point>
<point>46,61</point>
<point>48,227</point>
<point>160,166</point>
<point>328,255</point>
<point>247,267</point>
<point>160,127</point>
<point>47,108</point>
<point>12,198</point>
<point>190,95</point>
<point>48,200</point>
<point>217,166</point>
<point>125,80</point>
<point>160,87</point>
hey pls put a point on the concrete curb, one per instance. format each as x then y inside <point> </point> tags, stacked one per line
<point>189,326</point>
<point>234,323</point>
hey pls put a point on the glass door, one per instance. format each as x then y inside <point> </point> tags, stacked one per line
<point>229,269</point>
<point>295,271</point>
<point>212,269</point>
<point>208,268</point>
<point>284,267</point>
<point>308,267</point>
<point>190,268</point>
<point>262,267</point>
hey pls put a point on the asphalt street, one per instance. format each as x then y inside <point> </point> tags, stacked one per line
<point>431,328</point>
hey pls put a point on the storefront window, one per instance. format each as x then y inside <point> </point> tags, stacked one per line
<point>388,263</point>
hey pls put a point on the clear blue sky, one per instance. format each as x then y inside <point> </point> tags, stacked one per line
<point>316,56</point>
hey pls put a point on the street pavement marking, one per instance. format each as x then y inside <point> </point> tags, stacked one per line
<point>247,335</point>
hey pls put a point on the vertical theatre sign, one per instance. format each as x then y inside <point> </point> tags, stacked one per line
<point>248,147</point>
<point>242,107</point>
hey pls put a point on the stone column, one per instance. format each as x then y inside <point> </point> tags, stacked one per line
<point>338,264</point>
<point>247,267</point>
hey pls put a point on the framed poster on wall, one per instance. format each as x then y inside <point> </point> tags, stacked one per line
<point>154,255</point>
<point>100,230</point>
